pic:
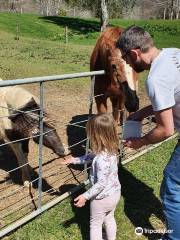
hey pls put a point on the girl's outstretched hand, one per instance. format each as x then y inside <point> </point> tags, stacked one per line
<point>68,160</point>
<point>80,201</point>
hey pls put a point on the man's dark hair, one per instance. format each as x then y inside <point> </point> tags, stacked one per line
<point>135,37</point>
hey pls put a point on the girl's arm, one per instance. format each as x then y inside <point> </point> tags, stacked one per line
<point>102,170</point>
<point>79,160</point>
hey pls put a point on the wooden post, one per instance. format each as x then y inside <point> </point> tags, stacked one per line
<point>66,34</point>
<point>17,32</point>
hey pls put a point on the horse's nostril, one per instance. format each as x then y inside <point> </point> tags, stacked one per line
<point>113,66</point>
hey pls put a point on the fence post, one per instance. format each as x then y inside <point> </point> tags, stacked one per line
<point>90,113</point>
<point>17,32</point>
<point>66,34</point>
<point>40,144</point>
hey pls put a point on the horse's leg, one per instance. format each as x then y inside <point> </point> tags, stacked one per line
<point>101,103</point>
<point>22,161</point>
<point>118,109</point>
<point>25,147</point>
<point>115,108</point>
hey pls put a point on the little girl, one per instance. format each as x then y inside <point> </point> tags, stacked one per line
<point>104,193</point>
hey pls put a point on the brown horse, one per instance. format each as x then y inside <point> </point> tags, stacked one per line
<point>119,82</point>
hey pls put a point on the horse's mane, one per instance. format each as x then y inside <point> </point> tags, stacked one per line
<point>25,119</point>
<point>106,41</point>
<point>111,34</point>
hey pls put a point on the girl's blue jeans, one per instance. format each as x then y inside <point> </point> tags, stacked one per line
<point>170,195</point>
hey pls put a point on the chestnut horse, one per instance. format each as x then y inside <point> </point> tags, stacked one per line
<point>119,82</point>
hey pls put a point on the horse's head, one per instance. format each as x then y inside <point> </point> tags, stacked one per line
<point>26,122</point>
<point>125,79</point>
<point>50,138</point>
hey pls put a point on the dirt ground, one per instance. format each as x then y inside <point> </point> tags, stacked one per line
<point>66,106</point>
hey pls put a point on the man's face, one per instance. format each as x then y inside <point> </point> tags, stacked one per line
<point>132,57</point>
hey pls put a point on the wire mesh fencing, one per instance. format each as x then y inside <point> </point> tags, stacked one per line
<point>68,111</point>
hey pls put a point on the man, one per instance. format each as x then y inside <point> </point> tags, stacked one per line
<point>163,88</point>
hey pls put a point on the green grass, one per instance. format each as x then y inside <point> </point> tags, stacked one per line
<point>41,51</point>
<point>139,205</point>
<point>50,28</point>
<point>83,31</point>
<point>165,33</point>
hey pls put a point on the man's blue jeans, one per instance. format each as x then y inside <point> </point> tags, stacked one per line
<point>170,195</point>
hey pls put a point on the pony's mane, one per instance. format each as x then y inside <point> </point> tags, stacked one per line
<point>26,117</point>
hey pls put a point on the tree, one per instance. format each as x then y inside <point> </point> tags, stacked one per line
<point>104,15</point>
<point>171,8</point>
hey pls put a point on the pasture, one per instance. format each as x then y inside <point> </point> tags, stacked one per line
<point>40,51</point>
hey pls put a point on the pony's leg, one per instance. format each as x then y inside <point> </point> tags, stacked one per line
<point>101,103</point>
<point>22,161</point>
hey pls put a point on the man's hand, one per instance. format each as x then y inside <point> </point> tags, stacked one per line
<point>134,143</point>
<point>80,201</point>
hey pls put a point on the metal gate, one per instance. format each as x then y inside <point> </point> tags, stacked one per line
<point>29,202</point>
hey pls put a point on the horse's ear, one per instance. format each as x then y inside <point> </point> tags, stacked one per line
<point>30,105</point>
<point>14,115</point>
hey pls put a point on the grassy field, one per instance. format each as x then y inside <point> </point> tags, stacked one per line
<point>41,50</point>
<point>139,206</point>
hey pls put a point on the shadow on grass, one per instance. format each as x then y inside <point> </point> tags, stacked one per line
<point>81,26</point>
<point>81,215</point>
<point>140,202</point>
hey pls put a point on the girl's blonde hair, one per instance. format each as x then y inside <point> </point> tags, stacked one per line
<point>101,130</point>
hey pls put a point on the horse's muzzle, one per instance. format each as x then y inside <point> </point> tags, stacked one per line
<point>60,152</point>
<point>132,104</point>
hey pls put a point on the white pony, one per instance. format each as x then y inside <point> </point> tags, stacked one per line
<point>17,121</point>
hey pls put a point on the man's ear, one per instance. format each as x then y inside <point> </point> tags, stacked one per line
<point>135,53</point>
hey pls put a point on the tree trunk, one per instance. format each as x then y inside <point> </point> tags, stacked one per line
<point>177,9</point>
<point>171,14</point>
<point>164,14</point>
<point>104,15</point>
<point>172,10</point>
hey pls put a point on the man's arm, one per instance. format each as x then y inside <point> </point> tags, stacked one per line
<point>164,129</point>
